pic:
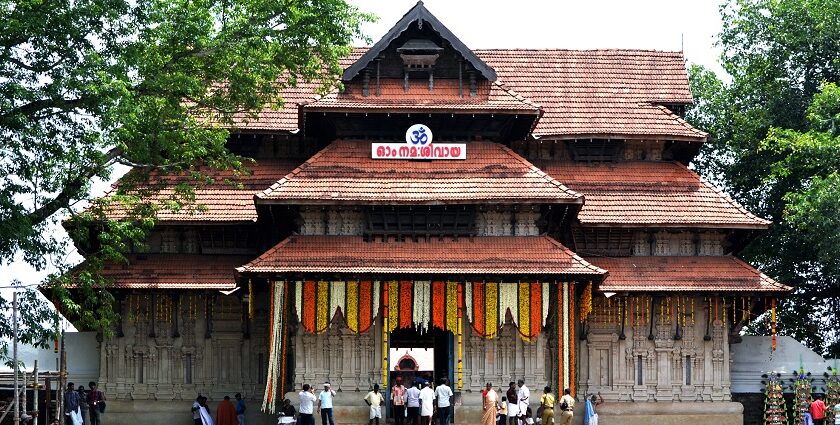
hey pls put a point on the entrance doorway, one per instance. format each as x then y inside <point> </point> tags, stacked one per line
<point>421,356</point>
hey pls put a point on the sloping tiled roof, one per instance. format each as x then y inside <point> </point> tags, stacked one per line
<point>599,92</point>
<point>219,202</point>
<point>649,193</point>
<point>175,271</point>
<point>672,274</point>
<point>478,255</point>
<point>344,172</point>
<point>490,97</point>
<point>582,93</point>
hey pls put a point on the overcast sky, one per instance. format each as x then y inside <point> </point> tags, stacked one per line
<point>684,25</point>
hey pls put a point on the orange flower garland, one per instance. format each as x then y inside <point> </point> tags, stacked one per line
<point>572,348</point>
<point>438,305</point>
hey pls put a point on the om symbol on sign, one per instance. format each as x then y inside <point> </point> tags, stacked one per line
<point>418,134</point>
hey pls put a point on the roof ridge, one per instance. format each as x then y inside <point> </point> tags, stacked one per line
<point>564,49</point>
<point>541,173</point>
<point>726,196</point>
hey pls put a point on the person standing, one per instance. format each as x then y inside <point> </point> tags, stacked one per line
<point>591,415</point>
<point>325,404</point>
<point>818,410</point>
<point>501,411</point>
<point>240,409</point>
<point>547,405</point>
<point>196,411</point>
<point>307,405</point>
<point>206,418</point>
<point>836,408</point>
<point>398,401</point>
<point>83,406</point>
<point>513,404</point>
<point>489,402</point>
<point>523,395</point>
<point>95,401</point>
<point>226,413</point>
<point>374,399</point>
<point>427,404</point>
<point>443,394</point>
<point>71,405</point>
<point>567,405</point>
<point>412,404</point>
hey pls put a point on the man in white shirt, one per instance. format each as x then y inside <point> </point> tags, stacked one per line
<point>444,395</point>
<point>325,404</point>
<point>427,400</point>
<point>307,405</point>
<point>412,404</point>
<point>374,399</point>
<point>524,395</point>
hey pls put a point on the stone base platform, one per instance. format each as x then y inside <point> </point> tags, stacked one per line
<point>141,412</point>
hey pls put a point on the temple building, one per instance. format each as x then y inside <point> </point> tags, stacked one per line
<point>480,215</point>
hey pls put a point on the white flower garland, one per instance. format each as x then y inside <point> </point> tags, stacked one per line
<point>468,300</point>
<point>509,299</point>
<point>338,298</point>
<point>376,288</point>
<point>422,304</point>
<point>545,297</point>
<point>299,299</point>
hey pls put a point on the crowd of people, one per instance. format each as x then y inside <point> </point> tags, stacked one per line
<point>81,406</point>
<point>421,404</point>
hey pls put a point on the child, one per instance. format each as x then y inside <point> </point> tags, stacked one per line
<point>501,412</point>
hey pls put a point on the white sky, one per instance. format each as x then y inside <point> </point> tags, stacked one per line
<point>685,25</point>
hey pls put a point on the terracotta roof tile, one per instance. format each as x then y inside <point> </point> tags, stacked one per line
<point>478,255</point>
<point>671,274</point>
<point>344,172</point>
<point>581,93</point>
<point>175,271</point>
<point>590,93</point>
<point>219,202</point>
<point>491,96</point>
<point>649,193</point>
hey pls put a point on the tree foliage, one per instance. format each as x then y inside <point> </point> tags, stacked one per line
<point>152,84</point>
<point>775,147</point>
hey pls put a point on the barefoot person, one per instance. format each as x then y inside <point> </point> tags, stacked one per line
<point>374,400</point>
<point>398,401</point>
<point>490,400</point>
<point>513,405</point>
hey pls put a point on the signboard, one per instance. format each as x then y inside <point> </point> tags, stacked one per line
<point>418,145</point>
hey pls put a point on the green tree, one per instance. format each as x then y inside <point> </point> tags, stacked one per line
<point>152,84</point>
<point>773,148</point>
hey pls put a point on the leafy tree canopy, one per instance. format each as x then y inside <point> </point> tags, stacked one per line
<point>86,84</point>
<point>775,146</point>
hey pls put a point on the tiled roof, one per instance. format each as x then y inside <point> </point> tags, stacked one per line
<point>175,271</point>
<point>591,93</point>
<point>344,172</point>
<point>219,202</point>
<point>490,97</point>
<point>671,274</point>
<point>582,93</point>
<point>478,255</point>
<point>649,193</point>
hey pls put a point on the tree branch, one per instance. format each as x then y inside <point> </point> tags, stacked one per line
<point>41,104</point>
<point>71,190</point>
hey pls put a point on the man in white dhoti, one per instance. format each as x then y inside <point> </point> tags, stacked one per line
<point>524,395</point>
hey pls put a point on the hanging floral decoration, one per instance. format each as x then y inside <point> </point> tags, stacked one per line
<point>251,300</point>
<point>445,306</point>
<point>422,304</point>
<point>386,330</point>
<point>586,302</point>
<point>276,345</point>
<point>460,333</point>
<point>773,340</point>
<point>489,303</point>
<point>317,303</point>
<point>570,294</point>
<point>565,324</point>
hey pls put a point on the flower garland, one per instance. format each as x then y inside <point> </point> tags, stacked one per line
<point>559,325</point>
<point>366,312</point>
<point>251,300</point>
<point>509,301</point>
<point>406,304</point>
<point>439,305</point>
<point>586,302</point>
<point>422,304</point>
<point>525,311</point>
<point>572,348</point>
<point>352,315</point>
<point>773,340</point>
<point>284,325</point>
<point>546,294</point>
<point>275,343</point>
<point>566,334</point>
<point>338,296</point>
<point>392,296</point>
<point>299,300</point>
<point>386,330</point>
<point>460,333</point>
<point>468,299</point>
<point>317,303</point>
<point>491,310</point>
<point>453,306</point>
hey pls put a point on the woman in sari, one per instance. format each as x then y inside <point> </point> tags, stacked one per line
<point>490,399</point>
